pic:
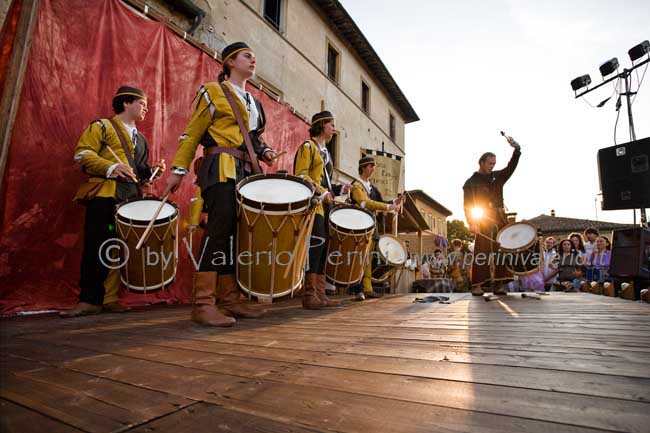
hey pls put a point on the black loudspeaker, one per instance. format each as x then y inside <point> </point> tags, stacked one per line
<point>630,253</point>
<point>624,173</point>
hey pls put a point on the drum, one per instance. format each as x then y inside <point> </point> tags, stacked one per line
<point>391,255</point>
<point>153,266</point>
<point>519,248</point>
<point>350,238</point>
<point>272,210</point>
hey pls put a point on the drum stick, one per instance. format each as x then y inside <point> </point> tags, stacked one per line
<point>531,295</point>
<point>135,179</point>
<point>147,232</point>
<point>155,172</point>
<point>300,241</point>
<point>489,298</point>
<point>277,155</point>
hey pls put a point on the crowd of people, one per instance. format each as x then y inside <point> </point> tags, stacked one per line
<point>569,264</point>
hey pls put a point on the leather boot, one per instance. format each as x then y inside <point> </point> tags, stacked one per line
<point>310,300</point>
<point>321,285</point>
<point>500,289</point>
<point>204,311</point>
<point>477,291</point>
<point>228,296</point>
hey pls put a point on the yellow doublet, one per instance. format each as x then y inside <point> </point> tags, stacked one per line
<point>360,195</point>
<point>212,113</point>
<point>95,158</point>
<point>310,165</point>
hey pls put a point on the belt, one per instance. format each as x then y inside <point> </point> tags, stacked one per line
<point>239,154</point>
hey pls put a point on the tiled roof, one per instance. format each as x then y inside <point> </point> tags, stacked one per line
<point>551,224</point>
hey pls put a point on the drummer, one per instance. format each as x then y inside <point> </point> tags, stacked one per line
<point>366,195</point>
<point>113,178</point>
<point>313,162</point>
<point>214,125</point>
<point>485,212</point>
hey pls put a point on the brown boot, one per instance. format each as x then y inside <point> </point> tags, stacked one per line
<point>500,289</point>
<point>204,311</point>
<point>81,309</point>
<point>321,285</point>
<point>230,301</point>
<point>310,300</point>
<point>477,291</point>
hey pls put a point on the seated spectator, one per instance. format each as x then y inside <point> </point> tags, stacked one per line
<point>458,267</point>
<point>598,266</point>
<point>579,282</point>
<point>550,264</point>
<point>591,234</point>
<point>426,267</point>
<point>567,261</point>
<point>439,272</point>
<point>579,245</point>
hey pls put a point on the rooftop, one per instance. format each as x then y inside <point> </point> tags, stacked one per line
<point>552,224</point>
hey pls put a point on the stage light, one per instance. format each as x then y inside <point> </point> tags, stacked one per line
<point>477,213</point>
<point>639,51</point>
<point>580,82</point>
<point>608,67</point>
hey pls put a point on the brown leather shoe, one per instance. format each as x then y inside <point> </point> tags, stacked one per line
<point>321,291</point>
<point>204,311</point>
<point>371,295</point>
<point>477,291</point>
<point>500,290</point>
<point>230,301</point>
<point>81,309</point>
<point>115,307</point>
<point>310,300</point>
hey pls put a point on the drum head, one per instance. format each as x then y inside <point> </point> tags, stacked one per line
<point>517,236</point>
<point>143,210</point>
<point>392,250</point>
<point>275,191</point>
<point>352,219</point>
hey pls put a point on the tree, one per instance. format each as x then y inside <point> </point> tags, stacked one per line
<point>456,229</point>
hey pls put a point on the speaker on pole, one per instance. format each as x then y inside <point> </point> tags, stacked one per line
<point>624,173</point>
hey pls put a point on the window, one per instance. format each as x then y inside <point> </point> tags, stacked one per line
<point>332,147</point>
<point>365,97</point>
<point>332,63</point>
<point>391,126</point>
<point>272,12</point>
<point>431,222</point>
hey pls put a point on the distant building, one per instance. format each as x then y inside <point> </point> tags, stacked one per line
<point>435,215</point>
<point>561,228</point>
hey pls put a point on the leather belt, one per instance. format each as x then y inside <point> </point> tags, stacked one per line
<point>239,154</point>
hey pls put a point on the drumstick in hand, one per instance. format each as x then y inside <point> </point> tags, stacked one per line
<point>277,155</point>
<point>147,232</point>
<point>133,178</point>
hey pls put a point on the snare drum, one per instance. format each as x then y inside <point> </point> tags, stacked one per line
<point>272,209</point>
<point>350,237</point>
<point>519,248</point>
<point>153,266</point>
<point>391,256</point>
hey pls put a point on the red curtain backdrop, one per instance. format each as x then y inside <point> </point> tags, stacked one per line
<point>81,53</point>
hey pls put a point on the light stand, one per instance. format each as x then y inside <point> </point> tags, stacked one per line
<point>625,75</point>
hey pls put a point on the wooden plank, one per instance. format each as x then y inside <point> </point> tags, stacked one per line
<point>15,78</point>
<point>19,419</point>
<point>208,418</point>
<point>593,412</point>
<point>80,400</point>
<point>318,407</point>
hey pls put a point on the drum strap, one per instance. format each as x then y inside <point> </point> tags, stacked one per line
<point>242,127</point>
<point>127,152</point>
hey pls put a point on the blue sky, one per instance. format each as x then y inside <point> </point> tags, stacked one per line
<point>471,68</point>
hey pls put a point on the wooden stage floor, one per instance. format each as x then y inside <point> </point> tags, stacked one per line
<point>566,363</point>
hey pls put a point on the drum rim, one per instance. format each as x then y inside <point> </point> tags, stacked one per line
<point>274,206</point>
<point>394,264</point>
<point>158,222</point>
<point>522,248</point>
<point>354,231</point>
